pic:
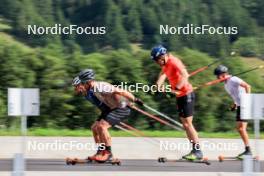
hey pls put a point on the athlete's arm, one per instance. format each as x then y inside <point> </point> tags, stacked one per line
<point>129,96</point>
<point>160,81</point>
<point>184,79</point>
<point>125,94</point>
<point>246,86</point>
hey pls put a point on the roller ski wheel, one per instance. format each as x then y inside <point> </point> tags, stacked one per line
<point>162,160</point>
<point>113,161</point>
<point>71,161</point>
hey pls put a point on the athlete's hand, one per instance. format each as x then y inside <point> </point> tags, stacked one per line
<point>233,107</point>
<point>139,102</point>
<point>176,92</point>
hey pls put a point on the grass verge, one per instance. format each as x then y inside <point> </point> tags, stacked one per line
<point>114,133</point>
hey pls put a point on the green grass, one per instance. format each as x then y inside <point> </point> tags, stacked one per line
<point>254,62</point>
<point>10,40</point>
<point>85,133</point>
<point>4,26</point>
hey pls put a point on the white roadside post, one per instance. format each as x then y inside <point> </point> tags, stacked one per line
<point>22,102</point>
<point>252,107</point>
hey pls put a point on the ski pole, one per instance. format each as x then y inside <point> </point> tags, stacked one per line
<point>163,115</point>
<point>135,132</point>
<point>209,65</point>
<point>155,118</point>
<point>210,83</point>
<point>255,68</point>
<point>133,129</point>
<point>128,131</point>
<point>203,68</point>
<point>223,79</point>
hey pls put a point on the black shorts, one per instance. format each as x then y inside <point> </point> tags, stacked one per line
<point>185,105</point>
<point>115,116</point>
<point>238,116</point>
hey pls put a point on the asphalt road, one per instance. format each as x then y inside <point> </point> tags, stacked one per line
<point>128,165</point>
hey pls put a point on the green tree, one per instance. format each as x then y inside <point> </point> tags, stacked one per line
<point>247,46</point>
<point>116,33</point>
<point>13,73</point>
<point>52,81</point>
<point>9,8</point>
<point>45,10</point>
<point>150,27</point>
<point>133,25</point>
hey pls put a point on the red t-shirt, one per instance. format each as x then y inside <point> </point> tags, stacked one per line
<point>173,69</point>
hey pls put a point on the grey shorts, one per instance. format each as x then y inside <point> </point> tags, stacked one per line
<point>115,116</point>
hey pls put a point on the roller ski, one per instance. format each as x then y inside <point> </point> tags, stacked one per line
<point>240,156</point>
<point>195,156</point>
<point>102,157</point>
<point>202,161</point>
<point>222,158</point>
<point>75,161</point>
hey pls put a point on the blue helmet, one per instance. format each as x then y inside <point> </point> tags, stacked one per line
<point>157,51</point>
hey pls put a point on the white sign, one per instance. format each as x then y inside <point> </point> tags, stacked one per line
<point>23,101</point>
<point>252,106</point>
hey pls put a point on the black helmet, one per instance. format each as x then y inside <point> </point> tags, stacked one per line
<point>86,75</point>
<point>220,69</point>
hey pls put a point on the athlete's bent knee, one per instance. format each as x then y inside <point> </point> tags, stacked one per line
<point>94,127</point>
<point>102,127</point>
<point>186,125</point>
<point>241,129</point>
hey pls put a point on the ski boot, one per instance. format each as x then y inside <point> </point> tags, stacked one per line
<point>93,158</point>
<point>241,155</point>
<point>104,156</point>
<point>194,155</point>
